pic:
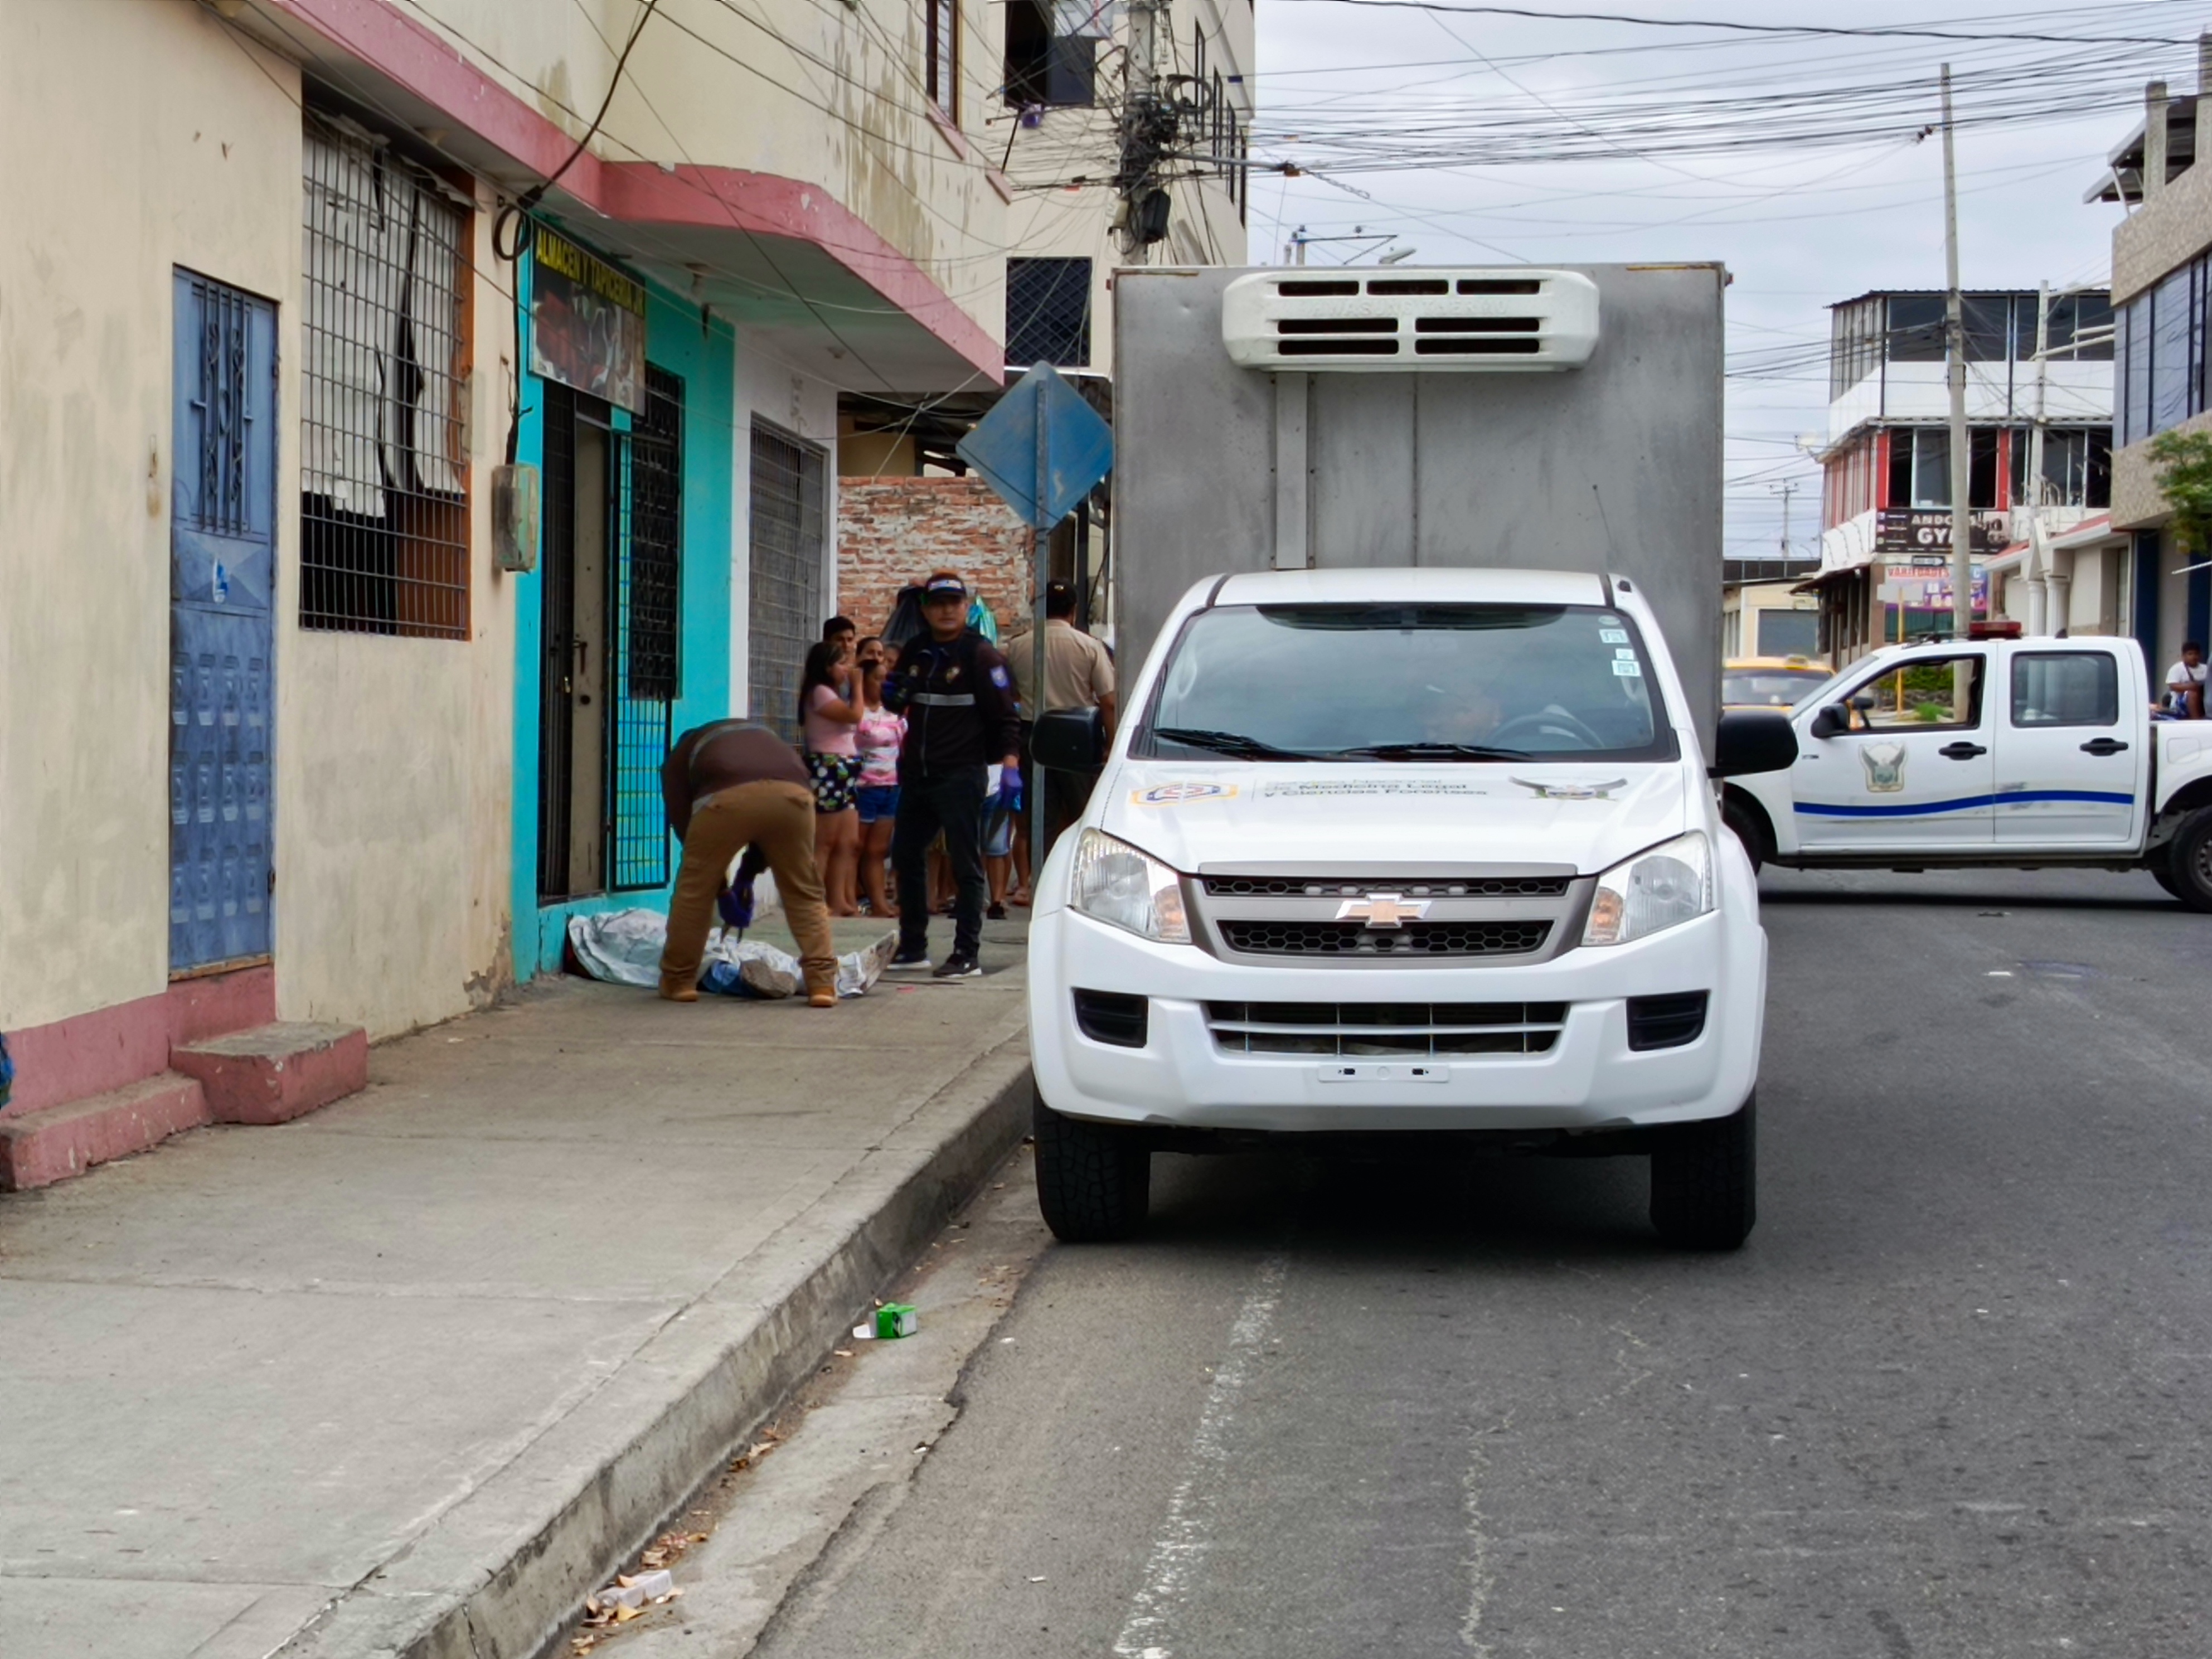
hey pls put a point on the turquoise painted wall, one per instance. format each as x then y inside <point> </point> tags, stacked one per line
<point>705,358</point>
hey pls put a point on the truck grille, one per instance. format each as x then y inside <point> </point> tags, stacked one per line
<point>1386,1028</point>
<point>1414,938</point>
<point>1411,886</point>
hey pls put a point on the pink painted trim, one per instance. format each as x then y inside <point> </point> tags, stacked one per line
<point>951,130</point>
<point>768,205</point>
<point>412,54</point>
<point>1003,184</point>
<point>109,1048</point>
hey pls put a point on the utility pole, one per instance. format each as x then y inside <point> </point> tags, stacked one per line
<point>1962,557</point>
<point>1786,488</point>
<point>1141,135</point>
<point>2038,582</point>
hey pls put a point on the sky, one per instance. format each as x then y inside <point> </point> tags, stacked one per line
<point>1795,160</point>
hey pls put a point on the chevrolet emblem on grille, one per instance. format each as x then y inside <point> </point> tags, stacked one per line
<point>1383,910</point>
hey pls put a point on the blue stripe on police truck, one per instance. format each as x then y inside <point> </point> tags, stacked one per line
<point>1963,803</point>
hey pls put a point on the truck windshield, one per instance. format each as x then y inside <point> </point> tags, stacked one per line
<point>1475,682</point>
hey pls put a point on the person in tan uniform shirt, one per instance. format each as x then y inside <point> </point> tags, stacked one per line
<point>1079,673</point>
<point>728,785</point>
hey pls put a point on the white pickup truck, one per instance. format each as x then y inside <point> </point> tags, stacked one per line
<point>1390,851</point>
<point>2015,752</point>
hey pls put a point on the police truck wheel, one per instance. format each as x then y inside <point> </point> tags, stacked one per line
<point>1705,1183</point>
<point>1094,1180</point>
<point>1745,823</point>
<point>2163,876</point>
<point>2188,874</point>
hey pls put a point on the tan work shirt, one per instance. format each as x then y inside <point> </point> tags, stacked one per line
<point>1078,672</point>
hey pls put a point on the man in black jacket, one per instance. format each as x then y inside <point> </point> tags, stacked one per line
<point>958,696</point>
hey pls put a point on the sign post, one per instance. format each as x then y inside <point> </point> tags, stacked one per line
<point>1043,449</point>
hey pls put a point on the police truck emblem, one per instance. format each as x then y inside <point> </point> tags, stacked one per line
<point>1383,910</point>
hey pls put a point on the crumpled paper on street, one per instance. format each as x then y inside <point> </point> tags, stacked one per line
<point>623,947</point>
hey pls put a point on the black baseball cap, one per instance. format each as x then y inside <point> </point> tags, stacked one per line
<point>943,587</point>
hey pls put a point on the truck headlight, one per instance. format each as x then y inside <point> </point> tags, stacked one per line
<point>1115,883</point>
<point>1659,887</point>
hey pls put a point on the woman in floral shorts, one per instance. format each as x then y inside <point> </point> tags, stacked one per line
<point>827,711</point>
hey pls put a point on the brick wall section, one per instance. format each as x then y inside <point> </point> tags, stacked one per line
<point>891,532</point>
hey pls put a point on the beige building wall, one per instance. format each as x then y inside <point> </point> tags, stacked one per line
<point>827,94</point>
<point>390,760</point>
<point>191,149</point>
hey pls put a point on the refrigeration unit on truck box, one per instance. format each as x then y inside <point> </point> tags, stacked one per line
<point>1408,825</point>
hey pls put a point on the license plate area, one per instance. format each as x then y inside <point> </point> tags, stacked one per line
<point>1396,1070</point>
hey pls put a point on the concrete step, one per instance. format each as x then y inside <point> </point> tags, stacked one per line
<point>273,1073</point>
<point>41,1147</point>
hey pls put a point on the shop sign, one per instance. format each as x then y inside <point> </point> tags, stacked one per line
<point>586,323</point>
<point>1925,532</point>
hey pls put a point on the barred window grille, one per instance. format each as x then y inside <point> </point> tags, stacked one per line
<point>941,49</point>
<point>384,541</point>
<point>1048,312</point>
<point>656,573</point>
<point>789,508</point>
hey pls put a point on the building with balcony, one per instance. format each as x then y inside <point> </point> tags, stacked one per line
<point>2039,409</point>
<point>1057,123</point>
<point>308,717</point>
<point>2161,292</point>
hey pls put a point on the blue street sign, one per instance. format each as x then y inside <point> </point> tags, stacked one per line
<point>1074,450</point>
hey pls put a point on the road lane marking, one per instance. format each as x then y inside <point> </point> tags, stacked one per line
<point>1188,1533</point>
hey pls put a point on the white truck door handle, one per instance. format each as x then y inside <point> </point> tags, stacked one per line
<point>2103,746</point>
<point>1961,750</point>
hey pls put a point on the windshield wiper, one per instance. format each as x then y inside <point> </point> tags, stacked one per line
<point>1226,743</point>
<point>1435,751</point>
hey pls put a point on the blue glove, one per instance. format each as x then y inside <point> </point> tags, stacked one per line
<point>1010,788</point>
<point>736,904</point>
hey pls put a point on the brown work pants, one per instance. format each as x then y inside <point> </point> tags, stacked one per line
<point>778,817</point>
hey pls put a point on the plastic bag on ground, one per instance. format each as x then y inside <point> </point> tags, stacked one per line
<point>623,947</point>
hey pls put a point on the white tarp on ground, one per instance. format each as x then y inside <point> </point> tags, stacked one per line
<point>623,947</point>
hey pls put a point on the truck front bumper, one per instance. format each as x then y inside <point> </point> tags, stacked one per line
<point>1589,1078</point>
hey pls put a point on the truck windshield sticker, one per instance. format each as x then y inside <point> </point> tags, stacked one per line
<point>1174,794</point>
<point>1376,787</point>
<point>1628,671</point>
<point>1613,635</point>
<point>1623,654</point>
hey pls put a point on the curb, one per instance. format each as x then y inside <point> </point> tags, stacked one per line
<point>500,1574</point>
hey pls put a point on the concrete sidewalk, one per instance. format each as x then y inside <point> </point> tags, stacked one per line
<point>409,1376</point>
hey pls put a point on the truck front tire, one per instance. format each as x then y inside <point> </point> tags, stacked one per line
<point>2188,860</point>
<point>1705,1183</point>
<point>1094,1180</point>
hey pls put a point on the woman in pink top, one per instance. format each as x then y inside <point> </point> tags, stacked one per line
<point>880,734</point>
<point>829,709</point>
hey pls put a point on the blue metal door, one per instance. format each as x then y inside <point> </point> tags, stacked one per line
<point>221,630</point>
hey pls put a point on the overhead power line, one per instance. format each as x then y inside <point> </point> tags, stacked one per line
<point>1755,28</point>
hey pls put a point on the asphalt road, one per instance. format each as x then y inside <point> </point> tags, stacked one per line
<point>1951,1400</point>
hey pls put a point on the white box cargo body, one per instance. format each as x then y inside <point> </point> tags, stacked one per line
<point>1601,453</point>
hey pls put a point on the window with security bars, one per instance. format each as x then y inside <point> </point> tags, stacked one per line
<point>1048,312</point>
<point>656,450</point>
<point>383,532</point>
<point>940,23</point>
<point>789,519</point>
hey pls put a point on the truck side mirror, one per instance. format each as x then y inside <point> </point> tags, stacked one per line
<point>1863,701</point>
<point>1752,740</point>
<point>1069,740</point>
<point>1832,722</point>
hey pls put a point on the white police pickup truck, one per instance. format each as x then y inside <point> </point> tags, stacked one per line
<point>2015,752</point>
<point>1395,851</point>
